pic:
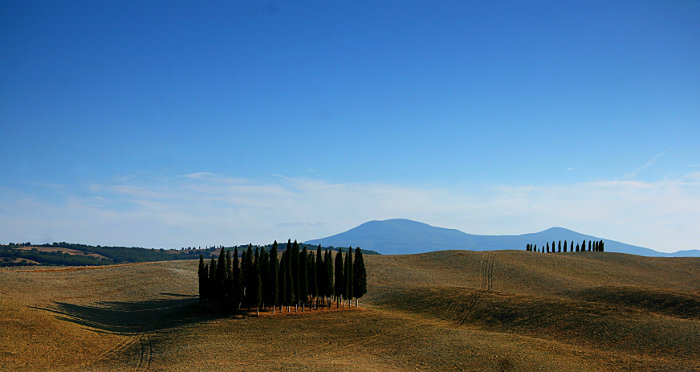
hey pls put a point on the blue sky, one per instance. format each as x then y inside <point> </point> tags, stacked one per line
<point>190,123</point>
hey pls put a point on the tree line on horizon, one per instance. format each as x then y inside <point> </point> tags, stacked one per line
<point>298,278</point>
<point>593,246</point>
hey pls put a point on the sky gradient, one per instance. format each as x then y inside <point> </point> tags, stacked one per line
<point>179,123</point>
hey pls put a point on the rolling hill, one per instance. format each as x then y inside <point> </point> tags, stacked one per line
<point>402,236</point>
<point>590,311</point>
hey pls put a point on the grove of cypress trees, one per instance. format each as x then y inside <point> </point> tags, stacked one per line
<point>339,285</point>
<point>359,276</point>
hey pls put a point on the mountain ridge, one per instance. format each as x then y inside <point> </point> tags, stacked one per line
<point>404,236</point>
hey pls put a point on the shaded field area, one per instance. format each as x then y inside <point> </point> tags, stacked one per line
<point>590,311</point>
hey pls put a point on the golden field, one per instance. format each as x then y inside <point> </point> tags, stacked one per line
<point>586,311</point>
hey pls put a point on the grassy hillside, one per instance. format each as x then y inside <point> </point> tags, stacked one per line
<point>576,311</point>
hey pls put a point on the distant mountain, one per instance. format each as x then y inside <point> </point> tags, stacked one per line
<point>401,236</point>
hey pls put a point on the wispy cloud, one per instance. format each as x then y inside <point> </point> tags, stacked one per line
<point>204,209</point>
<point>646,165</point>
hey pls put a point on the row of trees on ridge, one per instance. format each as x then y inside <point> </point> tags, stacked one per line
<point>298,278</point>
<point>593,246</point>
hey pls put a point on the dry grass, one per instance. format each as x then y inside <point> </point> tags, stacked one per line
<point>587,311</point>
<point>72,252</point>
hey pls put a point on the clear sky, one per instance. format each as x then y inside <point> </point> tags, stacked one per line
<point>178,123</point>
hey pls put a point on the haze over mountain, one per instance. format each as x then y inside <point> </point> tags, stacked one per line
<point>403,236</point>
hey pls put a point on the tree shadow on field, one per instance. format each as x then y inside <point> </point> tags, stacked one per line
<point>133,317</point>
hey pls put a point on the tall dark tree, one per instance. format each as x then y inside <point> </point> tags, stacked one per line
<point>320,270</point>
<point>311,268</point>
<point>211,285</point>
<point>339,284</point>
<point>547,247</point>
<point>236,280</point>
<point>250,276</point>
<point>578,248</point>
<point>201,278</point>
<point>265,276</point>
<point>228,285</point>
<point>328,286</point>
<point>295,272</point>
<point>564,245</point>
<point>244,274</point>
<point>602,246</point>
<point>258,290</point>
<point>359,276</point>
<point>282,279</point>
<point>274,276</point>
<point>303,277</point>
<point>589,245</point>
<point>559,247</point>
<point>289,296</point>
<point>347,279</point>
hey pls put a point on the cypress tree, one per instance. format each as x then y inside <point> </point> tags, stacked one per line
<point>559,247</point>
<point>220,275</point>
<point>274,276</point>
<point>250,276</point>
<point>200,271</point>
<point>229,278</point>
<point>320,270</point>
<point>602,246</point>
<point>578,248</point>
<point>564,245</point>
<point>236,280</point>
<point>347,280</point>
<point>589,245</point>
<point>205,282</point>
<point>265,276</point>
<point>583,246</point>
<point>295,272</point>
<point>313,284</point>
<point>328,286</point>
<point>535,247</point>
<point>282,278</point>
<point>547,247</point>
<point>339,285</point>
<point>244,274</point>
<point>211,283</point>
<point>258,285</point>
<point>303,277</point>
<point>289,297</point>
<point>359,276</point>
